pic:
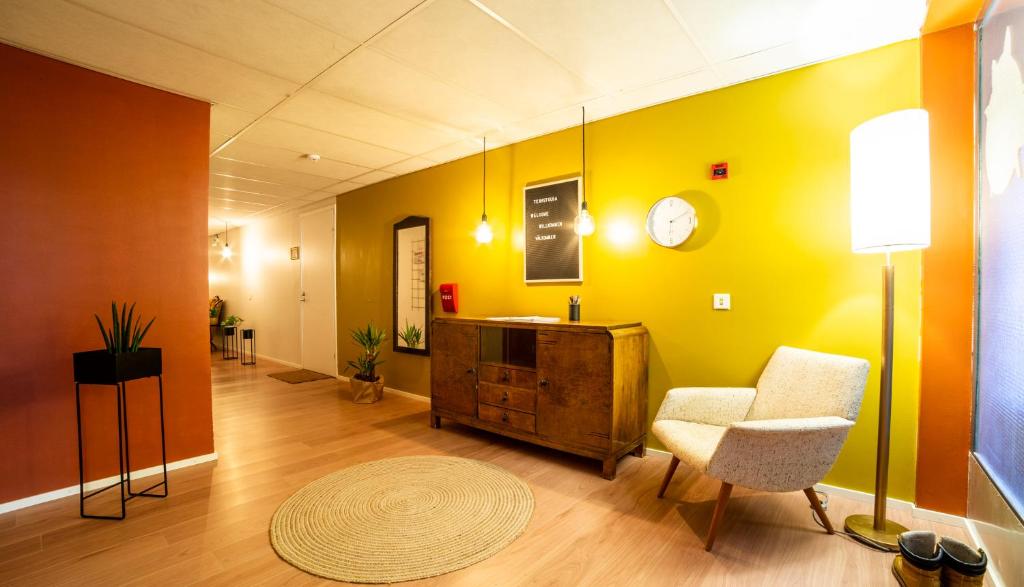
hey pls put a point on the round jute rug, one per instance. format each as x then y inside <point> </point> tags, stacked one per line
<point>401,519</point>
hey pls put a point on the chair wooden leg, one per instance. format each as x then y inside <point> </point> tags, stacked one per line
<point>816,505</point>
<point>716,519</point>
<point>668,476</point>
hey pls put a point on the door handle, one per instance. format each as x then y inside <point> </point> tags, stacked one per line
<point>471,371</point>
<point>302,297</point>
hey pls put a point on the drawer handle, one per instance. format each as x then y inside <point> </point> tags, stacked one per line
<point>504,396</point>
<point>543,382</point>
<point>504,416</point>
<point>471,371</point>
<point>505,376</point>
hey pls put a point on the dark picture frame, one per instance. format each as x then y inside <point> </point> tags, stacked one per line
<point>411,289</point>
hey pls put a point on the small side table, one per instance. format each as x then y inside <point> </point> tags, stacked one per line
<point>229,342</point>
<point>104,368</point>
<point>248,335</point>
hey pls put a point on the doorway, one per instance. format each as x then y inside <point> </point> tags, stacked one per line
<point>317,298</point>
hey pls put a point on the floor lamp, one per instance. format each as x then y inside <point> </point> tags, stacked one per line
<point>890,210</point>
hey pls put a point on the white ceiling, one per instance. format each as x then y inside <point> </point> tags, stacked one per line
<point>380,88</point>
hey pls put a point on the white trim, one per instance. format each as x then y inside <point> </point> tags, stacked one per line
<point>893,504</point>
<point>992,572</point>
<point>98,483</point>
<point>407,394</point>
<point>281,361</point>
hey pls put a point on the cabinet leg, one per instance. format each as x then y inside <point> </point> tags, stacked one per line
<point>608,467</point>
<point>640,450</point>
<point>435,421</point>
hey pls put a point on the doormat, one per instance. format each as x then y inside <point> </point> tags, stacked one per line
<point>299,376</point>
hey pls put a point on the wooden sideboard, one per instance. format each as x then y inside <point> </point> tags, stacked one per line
<point>579,387</point>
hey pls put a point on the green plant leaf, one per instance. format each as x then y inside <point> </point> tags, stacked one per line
<point>126,327</point>
<point>144,331</point>
<point>103,331</point>
<point>115,329</point>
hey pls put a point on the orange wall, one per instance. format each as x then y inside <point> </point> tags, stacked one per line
<point>944,432</point>
<point>103,185</point>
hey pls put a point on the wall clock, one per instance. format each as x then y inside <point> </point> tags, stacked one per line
<point>671,221</point>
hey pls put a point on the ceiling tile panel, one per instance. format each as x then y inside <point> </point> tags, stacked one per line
<point>725,30</point>
<point>610,43</point>
<point>225,120</point>
<point>354,19</point>
<point>292,160</point>
<point>256,187</point>
<point>300,139</point>
<point>371,78</point>
<point>409,165</point>
<point>318,110</point>
<point>456,150</point>
<point>221,165</point>
<point>458,42</point>
<point>372,177</point>
<point>343,187</point>
<point>86,38</point>
<point>256,34</point>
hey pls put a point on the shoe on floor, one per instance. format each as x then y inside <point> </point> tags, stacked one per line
<point>962,565</point>
<point>919,563</point>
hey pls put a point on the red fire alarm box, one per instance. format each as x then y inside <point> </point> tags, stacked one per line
<point>720,170</point>
<point>450,297</point>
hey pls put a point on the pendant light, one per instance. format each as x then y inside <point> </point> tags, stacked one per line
<point>584,225</point>
<point>226,251</point>
<point>484,234</point>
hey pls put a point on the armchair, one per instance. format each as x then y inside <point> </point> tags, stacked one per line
<point>783,435</point>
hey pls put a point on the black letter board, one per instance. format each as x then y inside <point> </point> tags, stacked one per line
<point>552,251</point>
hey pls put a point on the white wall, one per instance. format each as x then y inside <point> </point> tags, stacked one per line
<point>260,283</point>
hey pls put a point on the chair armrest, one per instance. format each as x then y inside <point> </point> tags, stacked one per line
<point>779,455</point>
<point>719,406</point>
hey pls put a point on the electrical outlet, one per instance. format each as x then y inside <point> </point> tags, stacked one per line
<point>722,301</point>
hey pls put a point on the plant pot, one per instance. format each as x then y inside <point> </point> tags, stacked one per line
<point>366,392</point>
<point>102,367</point>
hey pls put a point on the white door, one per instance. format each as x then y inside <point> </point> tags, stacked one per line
<point>317,298</point>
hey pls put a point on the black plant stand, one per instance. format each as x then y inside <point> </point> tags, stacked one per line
<point>103,368</point>
<point>248,334</point>
<point>229,343</point>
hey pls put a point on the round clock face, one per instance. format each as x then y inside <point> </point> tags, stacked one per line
<point>671,221</point>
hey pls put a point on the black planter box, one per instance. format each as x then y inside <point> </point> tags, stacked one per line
<point>101,367</point>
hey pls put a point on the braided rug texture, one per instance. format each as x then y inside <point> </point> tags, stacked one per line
<point>401,519</point>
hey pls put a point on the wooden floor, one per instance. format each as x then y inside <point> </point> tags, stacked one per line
<point>273,438</point>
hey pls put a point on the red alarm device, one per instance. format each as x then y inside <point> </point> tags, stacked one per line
<point>450,297</point>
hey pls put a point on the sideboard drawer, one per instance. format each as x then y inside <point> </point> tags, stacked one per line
<point>510,418</point>
<point>524,378</point>
<point>524,400</point>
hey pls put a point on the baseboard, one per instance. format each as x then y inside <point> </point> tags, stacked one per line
<point>892,504</point>
<point>97,484</point>
<point>276,360</point>
<point>408,394</point>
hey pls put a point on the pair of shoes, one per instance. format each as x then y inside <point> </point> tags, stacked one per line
<point>925,560</point>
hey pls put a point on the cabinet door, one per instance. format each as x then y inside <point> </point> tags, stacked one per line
<point>453,367</point>
<point>574,387</point>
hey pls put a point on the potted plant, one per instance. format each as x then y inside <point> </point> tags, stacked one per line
<point>367,387</point>
<point>232,321</point>
<point>124,357</point>
<point>411,335</point>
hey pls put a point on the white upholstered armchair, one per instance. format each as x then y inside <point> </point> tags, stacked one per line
<point>783,435</point>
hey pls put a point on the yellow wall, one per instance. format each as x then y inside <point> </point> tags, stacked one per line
<point>775,235</point>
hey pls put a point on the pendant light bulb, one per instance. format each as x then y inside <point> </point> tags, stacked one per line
<point>226,252</point>
<point>584,222</point>
<point>484,234</point>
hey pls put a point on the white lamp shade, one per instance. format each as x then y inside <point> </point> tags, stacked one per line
<point>890,183</point>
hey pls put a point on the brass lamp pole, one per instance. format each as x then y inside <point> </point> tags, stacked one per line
<point>890,210</point>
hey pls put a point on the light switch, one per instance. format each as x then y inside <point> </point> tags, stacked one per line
<point>722,301</point>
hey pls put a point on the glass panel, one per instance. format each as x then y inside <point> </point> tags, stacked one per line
<point>508,346</point>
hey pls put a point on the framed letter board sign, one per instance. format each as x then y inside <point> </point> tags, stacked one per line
<point>553,251</point>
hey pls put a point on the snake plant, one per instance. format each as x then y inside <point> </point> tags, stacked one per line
<point>123,336</point>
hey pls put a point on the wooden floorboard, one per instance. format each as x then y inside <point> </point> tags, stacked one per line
<point>274,437</point>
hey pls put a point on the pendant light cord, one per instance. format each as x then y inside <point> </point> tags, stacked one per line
<point>583,128</point>
<point>485,177</point>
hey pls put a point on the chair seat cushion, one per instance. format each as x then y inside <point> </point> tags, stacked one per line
<point>692,443</point>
